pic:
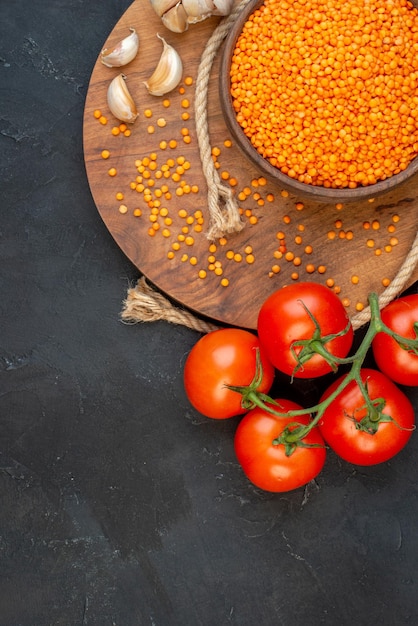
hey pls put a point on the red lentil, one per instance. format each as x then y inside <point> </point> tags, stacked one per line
<point>342,111</point>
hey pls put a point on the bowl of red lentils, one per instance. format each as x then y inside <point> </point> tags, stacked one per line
<point>322,97</point>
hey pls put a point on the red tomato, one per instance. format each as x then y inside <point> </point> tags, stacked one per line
<point>340,423</point>
<point>283,319</point>
<point>264,463</point>
<point>399,364</point>
<point>223,357</point>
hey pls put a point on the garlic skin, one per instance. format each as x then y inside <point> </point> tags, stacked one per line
<point>120,101</point>
<point>197,10</point>
<point>176,15</point>
<point>168,72</point>
<point>123,53</point>
<point>175,19</point>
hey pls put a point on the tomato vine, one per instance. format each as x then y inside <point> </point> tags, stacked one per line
<point>293,435</point>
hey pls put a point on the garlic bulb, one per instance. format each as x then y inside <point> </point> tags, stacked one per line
<point>120,101</point>
<point>123,53</point>
<point>168,72</point>
<point>176,15</point>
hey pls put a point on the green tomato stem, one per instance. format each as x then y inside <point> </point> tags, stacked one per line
<point>374,412</point>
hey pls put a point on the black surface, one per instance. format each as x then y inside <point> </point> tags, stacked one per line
<point>119,504</point>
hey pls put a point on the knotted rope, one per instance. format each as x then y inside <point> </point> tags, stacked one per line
<point>144,304</point>
<point>224,216</point>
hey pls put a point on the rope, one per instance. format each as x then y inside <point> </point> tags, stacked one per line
<point>144,304</point>
<point>224,216</point>
<point>395,288</point>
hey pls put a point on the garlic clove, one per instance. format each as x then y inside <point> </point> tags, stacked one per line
<point>120,101</point>
<point>163,6</point>
<point>176,15</point>
<point>168,72</point>
<point>198,10</point>
<point>222,7</point>
<point>123,53</point>
<point>176,19</point>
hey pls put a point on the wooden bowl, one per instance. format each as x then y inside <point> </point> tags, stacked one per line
<point>314,192</point>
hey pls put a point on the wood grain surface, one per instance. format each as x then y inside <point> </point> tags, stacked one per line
<point>343,239</point>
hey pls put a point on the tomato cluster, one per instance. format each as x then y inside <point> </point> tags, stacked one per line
<point>304,332</point>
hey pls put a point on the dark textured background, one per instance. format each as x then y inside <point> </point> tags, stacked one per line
<point>119,505</point>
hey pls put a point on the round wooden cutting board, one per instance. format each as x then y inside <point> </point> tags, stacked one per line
<point>355,248</point>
